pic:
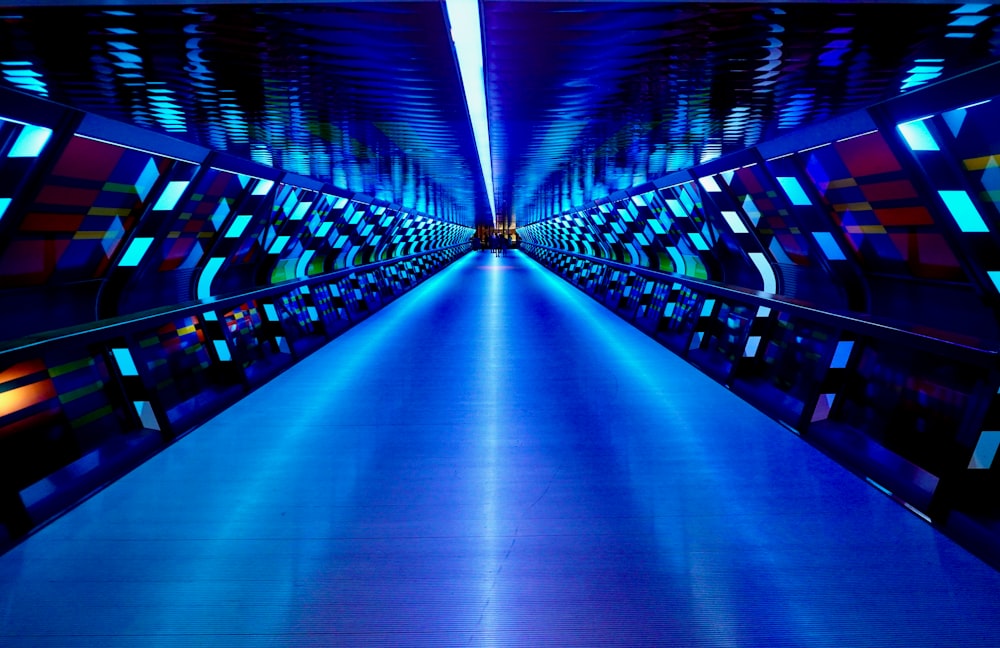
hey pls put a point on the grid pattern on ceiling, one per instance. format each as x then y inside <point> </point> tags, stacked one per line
<point>365,96</point>
<point>590,98</point>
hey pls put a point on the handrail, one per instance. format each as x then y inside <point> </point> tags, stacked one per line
<point>114,326</point>
<point>934,341</point>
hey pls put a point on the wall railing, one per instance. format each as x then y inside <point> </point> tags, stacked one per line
<point>81,406</point>
<point>914,411</point>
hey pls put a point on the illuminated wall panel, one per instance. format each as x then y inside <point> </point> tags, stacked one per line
<point>913,404</point>
<point>175,358</point>
<point>21,145</point>
<point>876,204</point>
<point>53,412</point>
<point>77,221</point>
<point>242,324</point>
<point>200,216</point>
<point>958,151</point>
<point>765,209</point>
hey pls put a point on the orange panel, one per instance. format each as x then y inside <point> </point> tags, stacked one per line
<point>21,398</point>
<point>20,370</point>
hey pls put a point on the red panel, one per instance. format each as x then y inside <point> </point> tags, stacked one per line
<point>31,261</point>
<point>904,216</point>
<point>928,254</point>
<point>42,222</point>
<point>88,159</point>
<point>749,180</point>
<point>867,155</point>
<point>894,190</point>
<point>56,195</point>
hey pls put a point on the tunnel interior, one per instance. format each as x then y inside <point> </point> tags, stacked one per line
<point>795,198</point>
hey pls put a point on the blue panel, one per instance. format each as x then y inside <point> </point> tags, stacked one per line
<point>170,196</point>
<point>237,226</point>
<point>917,136</point>
<point>30,142</point>
<point>829,246</point>
<point>126,365</point>
<point>136,250</point>
<point>963,211</point>
<point>793,190</point>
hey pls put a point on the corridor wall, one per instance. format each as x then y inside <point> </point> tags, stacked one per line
<point>843,278</point>
<point>146,283</point>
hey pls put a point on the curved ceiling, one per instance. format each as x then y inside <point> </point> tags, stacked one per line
<point>588,98</point>
<point>585,98</point>
<point>363,95</point>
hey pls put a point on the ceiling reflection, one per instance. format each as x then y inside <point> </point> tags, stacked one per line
<point>585,98</point>
<point>595,97</point>
<point>365,96</point>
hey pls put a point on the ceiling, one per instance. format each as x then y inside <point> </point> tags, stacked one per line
<point>585,98</point>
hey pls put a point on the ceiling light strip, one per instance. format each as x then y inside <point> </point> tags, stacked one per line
<point>466,30</point>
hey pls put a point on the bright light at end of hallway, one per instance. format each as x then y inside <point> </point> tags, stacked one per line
<point>466,30</point>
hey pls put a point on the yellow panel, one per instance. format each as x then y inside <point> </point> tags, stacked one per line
<point>865,229</point>
<point>840,184</point>
<point>980,163</point>
<point>858,206</point>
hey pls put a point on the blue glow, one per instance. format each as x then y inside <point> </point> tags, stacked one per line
<point>829,246</point>
<point>766,272</point>
<point>144,409</point>
<point>207,276</point>
<point>698,240</point>
<point>734,222</point>
<point>995,278</point>
<point>324,229</point>
<point>967,21</point>
<point>30,142</point>
<point>675,207</point>
<point>126,365</point>
<point>970,8</point>
<point>270,312</point>
<point>146,180</point>
<point>986,450</point>
<point>170,196</point>
<point>793,190</point>
<point>279,244</point>
<point>220,214</point>
<point>237,226</point>
<point>222,350</point>
<point>300,211</point>
<point>963,211</point>
<point>842,354</point>
<point>303,265</point>
<point>263,186</point>
<point>466,33</point>
<point>136,250</point>
<point>710,185</point>
<point>917,137</point>
<point>4,204</point>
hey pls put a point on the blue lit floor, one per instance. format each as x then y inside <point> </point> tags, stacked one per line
<point>493,460</point>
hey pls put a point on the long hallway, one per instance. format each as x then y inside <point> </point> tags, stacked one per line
<point>494,459</point>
